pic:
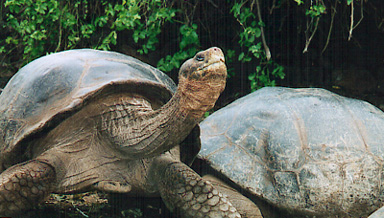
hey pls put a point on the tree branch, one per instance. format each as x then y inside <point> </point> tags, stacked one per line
<point>266,48</point>
<point>352,27</point>
<point>330,27</point>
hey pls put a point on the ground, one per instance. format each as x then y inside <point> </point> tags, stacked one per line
<point>98,205</point>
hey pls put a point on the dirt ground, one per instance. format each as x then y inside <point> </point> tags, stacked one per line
<point>98,205</point>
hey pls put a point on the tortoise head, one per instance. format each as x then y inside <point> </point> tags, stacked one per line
<point>208,65</point>
<point>202,79</point>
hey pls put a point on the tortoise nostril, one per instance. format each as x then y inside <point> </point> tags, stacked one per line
<point>216,49</point>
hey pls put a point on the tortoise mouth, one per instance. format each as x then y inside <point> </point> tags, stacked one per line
<point>219,61</point>
<point>213,67</point>
<point>214,64</point>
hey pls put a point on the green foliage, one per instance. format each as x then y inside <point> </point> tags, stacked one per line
<point>144,18</point>
<point>264,74</point>
<point>41,26</point>
<point>32,28</point>
<point>229,57</point>
<point>299,2</point>
<point>37,27</point>
<point>188,46</point>
<point>252,48</point>
<point>316,10</point>
<point>30,21</point>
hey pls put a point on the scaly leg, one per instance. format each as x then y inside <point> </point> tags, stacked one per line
<point>188,195</point>
<point>24,185</point>
<point>246,207</point>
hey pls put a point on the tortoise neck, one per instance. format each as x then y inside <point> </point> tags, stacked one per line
<point>168,126</point>
<point>174,121</point>
<point>197,97</point>
<point>145,133</point>
<point>187,106</point>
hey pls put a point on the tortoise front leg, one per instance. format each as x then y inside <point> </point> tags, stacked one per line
<point>187,194</point>
<point>24,185</point>
<point>244,205</point>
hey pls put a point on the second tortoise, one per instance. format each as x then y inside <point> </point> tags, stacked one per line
<point>297,153</point>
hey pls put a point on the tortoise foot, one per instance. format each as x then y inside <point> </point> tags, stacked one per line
<point>188,195</point>
<point>24,185</point>
<point>244,205</point>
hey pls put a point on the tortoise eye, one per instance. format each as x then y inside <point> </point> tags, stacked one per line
<point>200,58</point>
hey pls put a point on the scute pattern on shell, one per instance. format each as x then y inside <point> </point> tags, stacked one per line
<point>308,151</point>
<point>60,83</point>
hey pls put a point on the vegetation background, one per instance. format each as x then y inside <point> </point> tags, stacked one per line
<point>334,44</point>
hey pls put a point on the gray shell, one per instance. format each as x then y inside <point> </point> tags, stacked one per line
<point>52,87</point>
<point>308,151</point>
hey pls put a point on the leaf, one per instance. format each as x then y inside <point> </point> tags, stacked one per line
<point>230,53</point>
<point>101,21</point>
<point>241,56</point>
<point>247,59</point>
<point>135,37</point>
<point>257,32</point>
<point>236,9</point>
<point>251,76</point>
<point>114,37</point>
<point>258,68</point>
<point>11,40</point>
<point>299,2</point>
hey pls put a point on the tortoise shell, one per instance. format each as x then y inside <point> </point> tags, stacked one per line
<point>307,151</point>
<point>51,88</point>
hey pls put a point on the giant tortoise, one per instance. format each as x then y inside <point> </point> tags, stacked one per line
<point>86,119</point>
<point>297,153</point>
